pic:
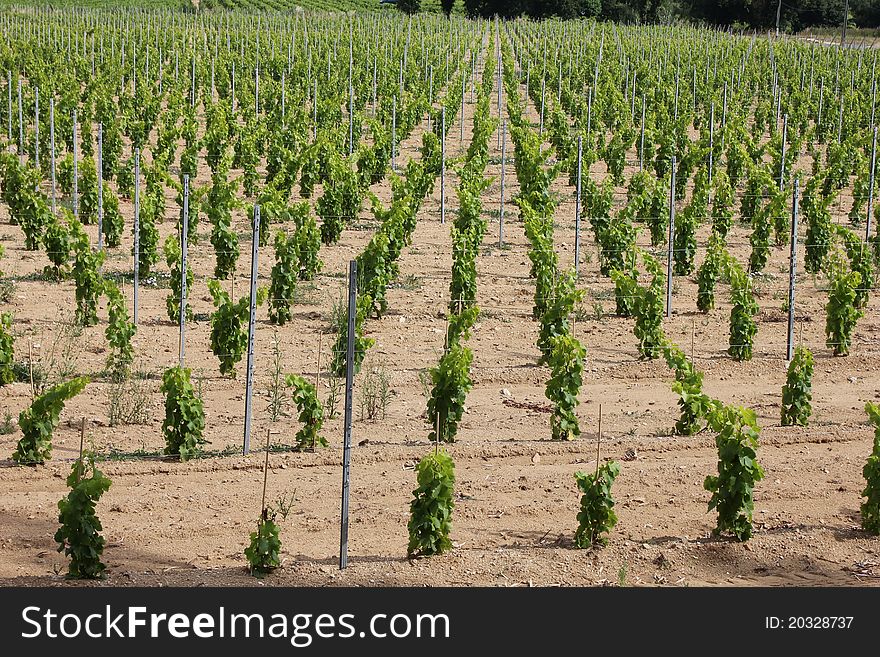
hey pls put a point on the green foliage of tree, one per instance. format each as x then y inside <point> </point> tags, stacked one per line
<point>409,6</point>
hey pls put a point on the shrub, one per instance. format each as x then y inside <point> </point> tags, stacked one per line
<point>451,382</point>
<point>738,470</point>
<point>7,355</point>
<point>39,421</point>
<point>722,205</point>
<point>597,515</point>
<point>871,507</point>
<point>173,260</point>
<point>56,240</point>
<point>684,242</point>
<point>112,222</point>
<point>708,273</point>
<point>797,391</point>
<point>311,413</point>
<point>760,240</point>
<point>284,274</point>
<point>229,332</point>
<point>566,360</point>
<point>841,313</point>
<point>742,323</point>
<point>819,226</point>
<point>148,237</point>
<point>184,414</point>
<point>431,508</point>
<point>218,206</point>
<point>264,551</point>
<point>79,535</point>
<point>361,344</point>
<point>648,307</point>
<point>555,320</point>
<point>308,241</point>
<point>87,275</point>
<point>694,404</point>
<point>119,333</point>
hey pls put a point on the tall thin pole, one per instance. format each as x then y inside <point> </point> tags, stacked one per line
<point>393,132</point>
<point>52,147</point>
<point>443,164</point>
<point>669,254</point>
<point>75,198</point>
<point>782,153</point>
<point>349,383</point>
<point>711,141</point>
<point>577,209</point>
<point>778,14</point>
<point>642,145</point>
<point>100,186</point>
<point>21,124</point>
<point>184,231</point>
<point>37,127</point>
<point>137,229</point>
<point>792,271</point>
<point>9,108</point>
<point>249,384</point>
<point>501,204</point>
<point>871,186</point>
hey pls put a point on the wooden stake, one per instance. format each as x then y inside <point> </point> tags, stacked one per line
<point>693,337</point>
<point>598,442</point>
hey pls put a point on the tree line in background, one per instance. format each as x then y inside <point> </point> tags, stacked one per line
<point>794,15</point>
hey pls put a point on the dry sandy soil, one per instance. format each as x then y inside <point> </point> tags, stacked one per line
<point>168,523</point>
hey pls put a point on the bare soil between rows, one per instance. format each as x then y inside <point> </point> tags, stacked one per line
<point>168,523</point>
